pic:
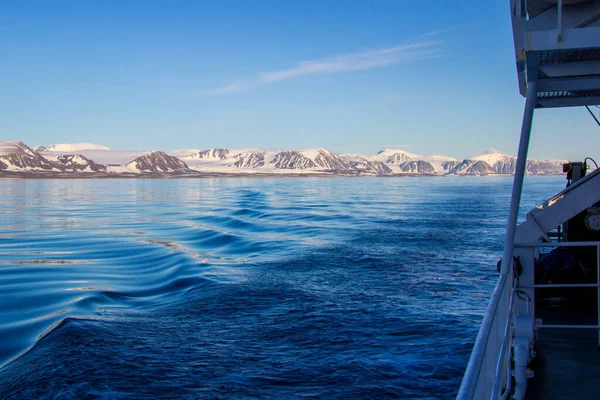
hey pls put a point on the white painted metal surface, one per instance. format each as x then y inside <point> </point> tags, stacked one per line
<point>558,36</point>
<point>557,53</point>
<point>496,334</point>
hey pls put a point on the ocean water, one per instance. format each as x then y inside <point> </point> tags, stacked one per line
<point>247,287</point>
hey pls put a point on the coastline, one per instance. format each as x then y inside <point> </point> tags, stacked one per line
<point>204,175</point>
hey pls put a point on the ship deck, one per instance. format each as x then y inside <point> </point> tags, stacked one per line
<point>567,365</point>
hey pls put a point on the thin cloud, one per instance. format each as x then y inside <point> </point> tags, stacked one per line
<point>437,32</point>
<point>223,90</point>
<point>340,63</point>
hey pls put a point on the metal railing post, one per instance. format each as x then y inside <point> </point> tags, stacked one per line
<point>571,285</point>
<point>501,362</point>
<point>470,387</point>
<point>515,200</point>
<point>560,27</point>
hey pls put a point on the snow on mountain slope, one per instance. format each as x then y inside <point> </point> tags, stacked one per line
<point>472,167</point>
<point>158,161</point>
<point>448,165</point>
<point>385,162</point>
<point>364,164</point>
<point>104,157</point>
<point>417,167</point>
<point>17,156</point>
<point>13,147</point>
<point>437,159</point>
<point>286,161</point>
<point>71,147</point>
<point>323,160</point>
<point>491,156</point>
<point>545,167</point>
<point>210,154</point>
<point>395,156</point>
<point>494,162</point>
<point>371,167</point>
<point>329,161</point>
<point>183,153</point>
<point>398,160</point>
<point>250,159</point>
<point>500,163</point>
<point>77,162</point>
<point>440,164</point>
<point>292,160</point>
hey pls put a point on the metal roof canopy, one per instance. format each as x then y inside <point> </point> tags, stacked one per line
<point>557,45</point>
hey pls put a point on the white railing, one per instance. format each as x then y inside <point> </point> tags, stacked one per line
<point>490,346</point>
<point>486,368</point>
<point>503,369</point>
<point>489,372</point>
<point>569,285</point>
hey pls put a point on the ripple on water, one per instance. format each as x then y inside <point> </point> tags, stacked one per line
<point>341,288</point>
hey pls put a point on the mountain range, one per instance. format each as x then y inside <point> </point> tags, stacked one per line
<point>90,159</point>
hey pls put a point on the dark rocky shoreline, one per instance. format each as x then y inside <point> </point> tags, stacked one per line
<point>201,175</point>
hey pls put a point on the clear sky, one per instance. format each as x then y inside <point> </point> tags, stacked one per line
<point>352,76</point>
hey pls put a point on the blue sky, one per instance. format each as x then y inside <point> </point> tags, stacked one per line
<point>353,76</point>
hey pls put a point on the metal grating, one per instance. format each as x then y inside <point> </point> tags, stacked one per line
<point>560,57</point>
<point>568,94</point>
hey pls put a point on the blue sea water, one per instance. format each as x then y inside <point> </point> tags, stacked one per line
<point>343,288</point>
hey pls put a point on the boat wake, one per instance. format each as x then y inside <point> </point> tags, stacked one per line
<point>256,288</point>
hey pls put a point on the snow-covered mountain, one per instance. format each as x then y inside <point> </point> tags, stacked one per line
<point>364,165</point>
<point>472,167</point>
<point>395,156</point>
<point>494,162</point>
<point>285,162</point>
<point>403,162</point>
<point>544,167</point>
<point>417,167</point>
<point>386,162</point>
<point>500,163</point>
<point>250,159</point>
<point>328,160</point>
<point>77,162</point>
<point>158,161</point>
<point>292,160</point>
<point>210,154</point>
<point>441,164</point>
<point>16,156</point>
